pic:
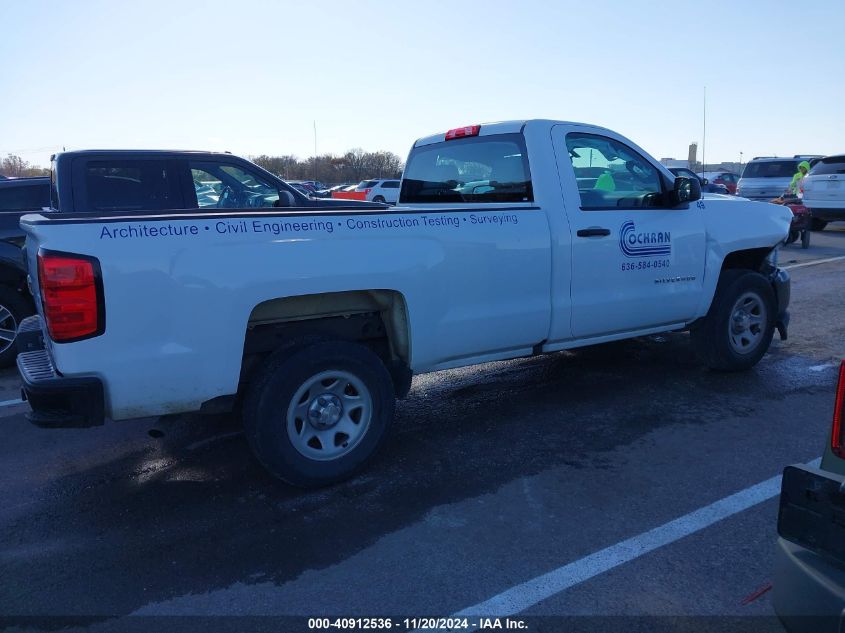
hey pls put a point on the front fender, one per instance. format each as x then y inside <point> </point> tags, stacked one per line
<point>742,232</point>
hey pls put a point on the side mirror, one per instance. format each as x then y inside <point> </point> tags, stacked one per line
<point>685,190</point>
<point>286,199</point>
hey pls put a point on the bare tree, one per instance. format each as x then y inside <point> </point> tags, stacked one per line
<point>16,167</point>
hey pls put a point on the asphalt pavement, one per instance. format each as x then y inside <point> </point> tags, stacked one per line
<point>578,485</point>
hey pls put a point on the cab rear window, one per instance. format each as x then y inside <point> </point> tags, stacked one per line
<point>25,197</point>
<point>128,185</point>
<point>771,169</point>
<point>829,165</point>
<point>475,169</point>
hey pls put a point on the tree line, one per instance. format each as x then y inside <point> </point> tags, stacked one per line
<point>352,167</point>
<point>16,167</point>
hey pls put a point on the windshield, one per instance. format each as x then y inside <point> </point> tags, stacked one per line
<point>771,169</point>
<point>476,169</point>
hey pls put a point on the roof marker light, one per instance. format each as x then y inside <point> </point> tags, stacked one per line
<point>461,132</point>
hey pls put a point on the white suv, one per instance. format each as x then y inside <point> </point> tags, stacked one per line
<point>824,191</point>
<point>767,177</point>
<point>380,190</point>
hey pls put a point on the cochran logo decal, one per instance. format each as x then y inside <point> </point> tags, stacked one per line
<point>651,244</point>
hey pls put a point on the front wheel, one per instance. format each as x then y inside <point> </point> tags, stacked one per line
<point>739,326</point>
<point>793,235</point>
<point>316,414</point>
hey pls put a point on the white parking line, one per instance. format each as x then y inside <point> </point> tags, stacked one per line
<point>814,262</point>
<point>824,367</point>
<point>9,403</point>
<point>530,593</point>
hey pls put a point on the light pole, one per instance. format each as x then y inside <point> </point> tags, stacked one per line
<point>740,161</point>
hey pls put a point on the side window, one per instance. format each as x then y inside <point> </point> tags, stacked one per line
<point>129,185</point>
<point>611,175</point>
<point>227,186</point>
<point>390,184</point>
<point>28,198</point>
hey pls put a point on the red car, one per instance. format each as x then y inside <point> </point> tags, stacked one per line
<point>727,178</point>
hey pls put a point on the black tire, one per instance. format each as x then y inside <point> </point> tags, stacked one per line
<point>269,403</point>
<point>18,307</point>
<point>380,199</point>
<point>805,239</point>
<point>793,235</point>
<point>817,225</point>
<point>712,337</point>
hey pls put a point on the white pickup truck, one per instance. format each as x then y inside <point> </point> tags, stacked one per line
<point>510,239</point>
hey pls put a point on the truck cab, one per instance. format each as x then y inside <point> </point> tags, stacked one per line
<point>623,228</point>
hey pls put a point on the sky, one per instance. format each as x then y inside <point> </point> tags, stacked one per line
<point>254,76</point>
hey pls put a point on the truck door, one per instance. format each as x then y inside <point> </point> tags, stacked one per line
<point>636,263</point>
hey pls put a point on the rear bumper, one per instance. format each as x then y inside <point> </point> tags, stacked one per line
<point>56,401</point>
<point>822,213</point>
<point>809,573</point>
<point>808,591</point>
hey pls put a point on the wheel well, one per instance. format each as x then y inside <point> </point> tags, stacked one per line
<point>13,277</point>
<point>750,259</point>
<point>376,318</point>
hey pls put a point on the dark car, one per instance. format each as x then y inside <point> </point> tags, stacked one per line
<point>706,185</point>
<point>809,576</point>
<point>18,196</point>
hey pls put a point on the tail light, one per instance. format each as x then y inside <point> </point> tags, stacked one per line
<point>837,441</point>
<point>71,295</point>
<point>367,191</point>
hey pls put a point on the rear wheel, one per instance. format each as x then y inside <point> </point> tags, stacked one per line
<point>739,326</point>
<point>817,225</point>
<point>379,199</point>
<point>793,235</point>
<point>13,309</point>
<point>315,415</point>
<point>805,239</point>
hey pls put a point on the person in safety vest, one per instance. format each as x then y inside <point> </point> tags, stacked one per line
<point>795,186</point>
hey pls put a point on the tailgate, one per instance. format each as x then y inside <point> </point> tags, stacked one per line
<point>34,227</point>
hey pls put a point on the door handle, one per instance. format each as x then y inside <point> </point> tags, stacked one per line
<point>593,231</point>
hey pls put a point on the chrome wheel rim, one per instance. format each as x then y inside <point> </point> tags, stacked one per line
<point>8,329</point>
<point>329,415</point>
<point>747,324</point>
